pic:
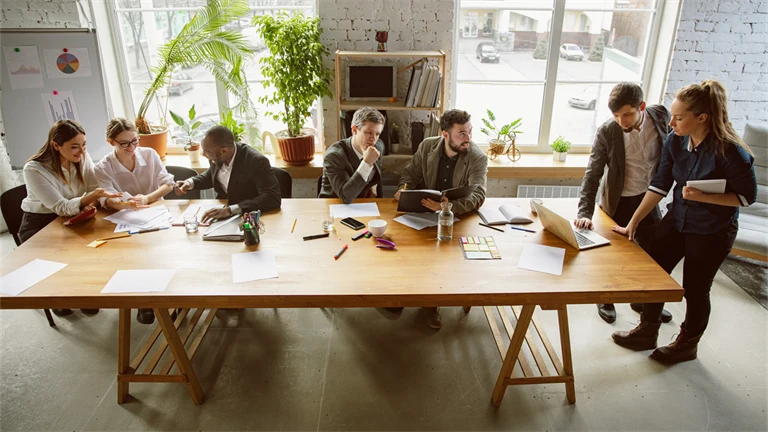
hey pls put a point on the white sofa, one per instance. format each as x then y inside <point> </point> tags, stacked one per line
<point>753,220</point>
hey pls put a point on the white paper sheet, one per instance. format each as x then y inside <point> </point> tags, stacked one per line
<point>23,65</point>
<point>133,281</point>
<point>342,211</point>
<point>544,259</point>
<point>75,63</point>
<point>142,219</point>
<point>253,266</point>
<point>60,106</point>
<point>27,276</point>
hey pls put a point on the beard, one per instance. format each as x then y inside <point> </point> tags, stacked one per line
<point>456,146</point>
<point>634,126</point>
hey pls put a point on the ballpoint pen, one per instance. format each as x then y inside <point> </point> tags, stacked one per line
<point>493,228</point>
<point>522,229</point>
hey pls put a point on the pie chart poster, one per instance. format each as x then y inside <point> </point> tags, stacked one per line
<point>67,63</point>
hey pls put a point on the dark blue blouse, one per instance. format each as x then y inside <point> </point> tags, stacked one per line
<point>681,162</point>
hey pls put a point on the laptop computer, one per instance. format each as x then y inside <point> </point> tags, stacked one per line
<point>561,227</point>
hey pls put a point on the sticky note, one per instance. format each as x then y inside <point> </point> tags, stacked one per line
<point>96,243</point>
<point>464,240</point>
<point>484,247</point>
<point>471,247</point>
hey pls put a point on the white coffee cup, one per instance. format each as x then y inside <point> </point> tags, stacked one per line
<point>377,227</point>
<point>535,200</point>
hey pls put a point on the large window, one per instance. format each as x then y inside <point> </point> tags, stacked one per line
<point>145,25</point>
<point>557,62</point>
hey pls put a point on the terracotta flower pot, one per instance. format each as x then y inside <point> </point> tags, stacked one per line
<point>157,141</point>
<point>298,150</point>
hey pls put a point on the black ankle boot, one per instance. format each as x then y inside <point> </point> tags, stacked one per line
<point>89,311</point>
<point>62,312</point>
<point>642,337</point>
<point>684,348</point>
<point>145,316</point>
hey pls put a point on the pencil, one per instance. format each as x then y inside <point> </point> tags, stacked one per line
<point>294,225</point>
<point>522,229</point>
<point>337,233</point>
<point>493,228</point>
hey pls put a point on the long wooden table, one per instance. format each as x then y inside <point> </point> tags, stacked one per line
<point>421,272</point>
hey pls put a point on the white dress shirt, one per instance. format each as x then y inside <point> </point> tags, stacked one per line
<point>222,176</point>
<point>47,193</point>
<point>148,173</point>
<point>641,154</point>
<point>365,170</point>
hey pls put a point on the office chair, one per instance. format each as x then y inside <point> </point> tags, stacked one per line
<point>180,174</point>
<point>285,181</point>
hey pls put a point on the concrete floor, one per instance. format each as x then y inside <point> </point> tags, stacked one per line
<point>365,369</point>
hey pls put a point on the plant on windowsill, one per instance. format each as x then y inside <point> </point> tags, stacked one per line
<point>295,70</point>
<point>560,148</point>
<point>202,42</point>
<point>506,134</point>
<point>190,128</point>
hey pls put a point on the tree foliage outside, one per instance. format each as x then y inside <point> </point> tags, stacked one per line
<point>541,49</point>
<point>596,52</point>
<point>294,67</point>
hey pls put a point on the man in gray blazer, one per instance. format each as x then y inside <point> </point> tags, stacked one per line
<point>629,146</point>
<point>450,160</point>
<point>352,166</point>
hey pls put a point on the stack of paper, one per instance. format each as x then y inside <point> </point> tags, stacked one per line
<point>354,210</point>
<point>419,221</point>
<point>135,220</point>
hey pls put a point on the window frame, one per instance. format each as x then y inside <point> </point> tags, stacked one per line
<point>222,96</point>
<point>558,10</point>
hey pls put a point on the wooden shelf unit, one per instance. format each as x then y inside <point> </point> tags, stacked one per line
<point>398,105</point>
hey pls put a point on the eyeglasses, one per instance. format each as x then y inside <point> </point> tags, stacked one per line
<point>127,144</point>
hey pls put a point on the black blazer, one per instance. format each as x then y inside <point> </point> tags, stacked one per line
<point>339,168</point>
<point>252,186</point>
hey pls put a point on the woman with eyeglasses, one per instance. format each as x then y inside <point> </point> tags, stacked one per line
<point>135,170</point>
<point>60,182</point>
<point>132,169</point>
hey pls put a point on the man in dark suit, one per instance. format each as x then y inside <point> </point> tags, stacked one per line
<point>238,173</point>
<point>629,146</point>
<point>352,166</point>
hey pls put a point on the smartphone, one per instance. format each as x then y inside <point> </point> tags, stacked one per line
<point>353,223</point>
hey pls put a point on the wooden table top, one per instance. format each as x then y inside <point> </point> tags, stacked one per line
<point>421,272</point>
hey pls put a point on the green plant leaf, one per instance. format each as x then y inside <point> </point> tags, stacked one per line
<point>192,113</point>
<point>177,118</point>
<point>490,115</point>
<point>488,125</point>
<point>195,125</point>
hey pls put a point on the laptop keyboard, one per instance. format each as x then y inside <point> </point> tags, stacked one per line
<point>582,240</point>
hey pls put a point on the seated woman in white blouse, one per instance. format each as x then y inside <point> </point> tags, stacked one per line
<point>130,168</point>
<point>60,182</point>
<point>135,170</point>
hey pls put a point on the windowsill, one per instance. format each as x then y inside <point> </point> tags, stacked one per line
<point>529,166</point>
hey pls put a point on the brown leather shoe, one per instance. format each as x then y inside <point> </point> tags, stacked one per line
<point>684,348</point>
<point>642,337</point>
<point>433,318</point>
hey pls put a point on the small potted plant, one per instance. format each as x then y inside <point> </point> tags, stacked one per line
<point>237,128</point>
<point>506,134</point>
<point>190,128</point>
<point>294,68</point>
<point>560,147</point>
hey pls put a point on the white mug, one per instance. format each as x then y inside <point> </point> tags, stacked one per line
<point>535,200</point>
<point>377,227</point>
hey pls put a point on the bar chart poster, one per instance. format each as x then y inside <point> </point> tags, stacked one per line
<point>67,63</point>
<point>23,67</point>
<point>60,105</point>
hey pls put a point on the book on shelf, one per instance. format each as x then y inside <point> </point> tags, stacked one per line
<point>421,86</point>
<point>413,85</point>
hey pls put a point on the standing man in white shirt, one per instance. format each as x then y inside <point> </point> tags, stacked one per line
<point>352,166</point>
<point>629,147</point>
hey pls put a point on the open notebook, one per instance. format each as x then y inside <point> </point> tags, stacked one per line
<point>410,200</point>
<point>505,214</point>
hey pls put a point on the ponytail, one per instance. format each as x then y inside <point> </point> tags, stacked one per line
<point>710,98</point>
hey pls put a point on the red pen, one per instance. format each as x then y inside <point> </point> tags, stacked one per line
<point>340,252</point>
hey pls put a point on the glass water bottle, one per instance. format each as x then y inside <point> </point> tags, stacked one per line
<point>445,222</point>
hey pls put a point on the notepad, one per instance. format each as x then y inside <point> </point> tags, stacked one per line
<point>23,278</point>
<point>253,266</point>
<point>543,259</point>
<point>715,186</point>
<point>505,214</point>
<point>132,281</point>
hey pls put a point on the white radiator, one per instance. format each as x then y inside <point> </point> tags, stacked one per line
<point>533,191</point>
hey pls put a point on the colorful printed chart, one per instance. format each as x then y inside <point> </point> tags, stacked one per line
<point>68,63</point>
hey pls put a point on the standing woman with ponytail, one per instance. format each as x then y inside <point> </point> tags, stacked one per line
<point>698,226</point>
<point>60,182</point>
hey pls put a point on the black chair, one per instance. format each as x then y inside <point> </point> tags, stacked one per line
<point>10,205</point>
<point>319,185</point>
<point>179,174</point>
<point>285,181</point>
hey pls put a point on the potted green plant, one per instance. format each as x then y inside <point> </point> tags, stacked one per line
<point>190,128</point>
<point>202,41</point>
<point>295,70</point>
<point>237,128</point>
<point>560,147</point>
<point>506,134</point>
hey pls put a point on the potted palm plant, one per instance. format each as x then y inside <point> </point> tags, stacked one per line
<point>295,70</point>
<point>204,42</point>
<point>506,134</point>
<point>190,128</point>
<point>560,148</point>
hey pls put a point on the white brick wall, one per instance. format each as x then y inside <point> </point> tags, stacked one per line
<point>727,41</point>
<point>412,25</point>
<point>26,14</point>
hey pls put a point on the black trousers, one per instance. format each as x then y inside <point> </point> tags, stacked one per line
<point>703,256</point>
<point>646,228</point>
<point>31,223</point>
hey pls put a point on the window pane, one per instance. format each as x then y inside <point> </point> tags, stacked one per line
<point>503,46</point>
<point>578,110</point>
<point>508,102</point>
<point>603,46</point>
